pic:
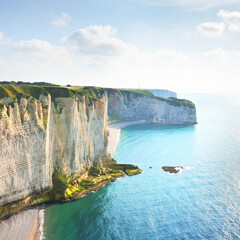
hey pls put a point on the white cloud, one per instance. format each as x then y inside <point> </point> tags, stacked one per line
<point>223,56</point>
<point>216,29</point>
<point>1,61</point>
<point>236,53</point>
<point>231,18</point>
<point>211,29</point>
<point>1,35</point>
<point>61,21</point>
<point>219,55</point>
<point>41,50</point>
<point>193,4</point>
<point>99,41</point>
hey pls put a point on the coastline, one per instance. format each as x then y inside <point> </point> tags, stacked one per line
<point>28,224</point>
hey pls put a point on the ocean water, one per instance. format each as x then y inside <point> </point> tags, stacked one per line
<point>203,202</point>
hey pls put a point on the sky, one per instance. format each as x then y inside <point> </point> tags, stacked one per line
<point>187,46</point>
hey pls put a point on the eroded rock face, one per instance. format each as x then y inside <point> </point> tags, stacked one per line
<point>135,107</point>
<point>37,137</point>
<point>23,139</point>
<point>77,133</point>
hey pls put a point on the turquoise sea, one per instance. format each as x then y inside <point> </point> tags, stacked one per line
<point>203,202</point>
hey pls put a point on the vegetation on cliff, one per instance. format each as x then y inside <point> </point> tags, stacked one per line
<point>16,91</point>
<point>73,187</point>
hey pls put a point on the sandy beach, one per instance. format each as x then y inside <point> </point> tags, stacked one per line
<point>24,225</point>
<point>113,138</point>
<point>114,135</point>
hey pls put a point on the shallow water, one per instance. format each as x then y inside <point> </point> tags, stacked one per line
<point>200,203</point>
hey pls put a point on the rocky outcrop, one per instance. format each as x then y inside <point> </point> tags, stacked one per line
<point>126,105</point>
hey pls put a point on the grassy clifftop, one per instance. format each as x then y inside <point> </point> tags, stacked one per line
<point>16,92</point>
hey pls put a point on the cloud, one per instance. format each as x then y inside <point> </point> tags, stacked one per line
<point>99,41</point>
<point>216,29</point>
<point>1,61</point>
<point>219,55</point>
<point>211,29</point>
<point>1,36</point>
<point>223,56</point>
<point>231,18</point>
<point>193,4</point>
<point>41,50</point>
<point>61,21</point>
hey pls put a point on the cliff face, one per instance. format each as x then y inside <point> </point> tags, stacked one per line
<point>22,151</point>
<point>77,133</point>
<point>44,129</point>
<point>129,106</point>
<point>38,137</point>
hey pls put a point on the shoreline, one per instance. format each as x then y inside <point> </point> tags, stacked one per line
<point>28,224</point>
<point>114,135</point>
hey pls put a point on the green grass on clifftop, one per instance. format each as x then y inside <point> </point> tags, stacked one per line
<point>27,91</point>
<point>16,91</point>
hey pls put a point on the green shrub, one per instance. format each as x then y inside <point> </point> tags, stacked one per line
<point>60,181</point>
<point>95,171</point>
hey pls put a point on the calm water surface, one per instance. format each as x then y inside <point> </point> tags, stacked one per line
<point>202,202</point>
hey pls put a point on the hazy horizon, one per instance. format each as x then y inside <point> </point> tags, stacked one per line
<point>182,46</point>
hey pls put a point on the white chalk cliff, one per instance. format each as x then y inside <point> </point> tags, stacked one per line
<point>129,106</point>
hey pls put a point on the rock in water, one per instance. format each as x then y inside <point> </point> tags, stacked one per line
<point>172,170</point>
